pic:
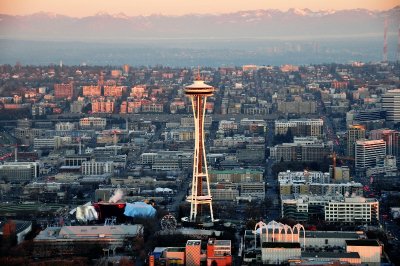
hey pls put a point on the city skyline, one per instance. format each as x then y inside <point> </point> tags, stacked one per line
<point>182,132</point>
<point>75,8</point>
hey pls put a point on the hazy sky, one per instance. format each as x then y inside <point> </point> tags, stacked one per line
<point>80,8</point>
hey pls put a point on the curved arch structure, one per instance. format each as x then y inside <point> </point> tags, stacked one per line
<point>285,232</point>
<point>299,227</point>
<point>260,225</point>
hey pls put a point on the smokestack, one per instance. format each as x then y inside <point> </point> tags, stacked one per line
<point>398,45</point>
<point>385,58</point>
<point>117,196</point>
<point>16,153</point>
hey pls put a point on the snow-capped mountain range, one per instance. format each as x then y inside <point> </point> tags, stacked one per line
<point>270,23</point>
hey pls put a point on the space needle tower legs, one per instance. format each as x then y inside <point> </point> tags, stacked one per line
<point>198,93</point>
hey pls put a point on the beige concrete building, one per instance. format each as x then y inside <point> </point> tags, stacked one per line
<point>354,133</point>
<point>92,123</point>
<point>235,175</point>
<point>300,127</point>
<point>91,91</point>
<point>370,250</point>
<point>278,252</point>
<point>297,107</point>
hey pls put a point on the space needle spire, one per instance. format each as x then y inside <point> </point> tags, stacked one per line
<point>198,93</point>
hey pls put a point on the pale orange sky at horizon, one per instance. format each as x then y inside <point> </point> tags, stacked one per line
<point>82,8</point>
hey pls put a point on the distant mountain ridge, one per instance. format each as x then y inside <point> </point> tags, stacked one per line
<point>269,23</point>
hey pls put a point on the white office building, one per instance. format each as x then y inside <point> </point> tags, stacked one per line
<point>97,168</point>
<point>334,208</point>
<point>352,210</point>
<point>65,126</point>
<point>368,153</point>
<point>148,157</point>
<point>391,104</point>
<point>304,176</point>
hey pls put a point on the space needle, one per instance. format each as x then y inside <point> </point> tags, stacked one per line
<point>198,93</point>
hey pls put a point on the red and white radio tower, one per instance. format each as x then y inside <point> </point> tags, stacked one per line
<point>198,93</point>
<point>385,58</point>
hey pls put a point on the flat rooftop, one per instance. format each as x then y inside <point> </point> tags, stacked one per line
<point>89,232</point>
<point>175,249</point>
<point>328,255</point>
<point>222,242</point>
<point>332,234</point>
<point>319,234</point>
<point>363,242</point>
<point>193,242</point>
<point>280,245</point>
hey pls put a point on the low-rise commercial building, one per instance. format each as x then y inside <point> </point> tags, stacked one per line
<point>277,243</point>
<point>218,252</point>
<point>300,150</point>
<point>350,188</point>
<point>300,127</point>
<point>370,250</point>
<point>80,240</point>
<point>172,160</point>
<point>92,123</point>
<point>304,176</point>
<point>235,175</point>
<point>93,167</point>
<point>233,191</point>
<point>331,208</point>
<point>19,171</point>
<point>353,210</point>
<point>278,252</point>
<point>55,142</point>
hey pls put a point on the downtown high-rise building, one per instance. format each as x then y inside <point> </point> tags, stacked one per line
<point>113,91</point>
<point>103,105</point>
<point>91,91</point>
<point>392,139</point>
<point>391,104</point>
<point>354,133</point>
<point>63,91</point>
<point>390,136</point>
<point>368,153</point>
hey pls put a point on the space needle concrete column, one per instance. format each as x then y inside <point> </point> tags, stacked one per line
<point>198,93</point>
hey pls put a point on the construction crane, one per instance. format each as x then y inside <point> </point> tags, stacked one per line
<point>80,144</point>
<point>115,131</point>
<point>334,157</point>
<point>10,155</point>
<point>79,139</point>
